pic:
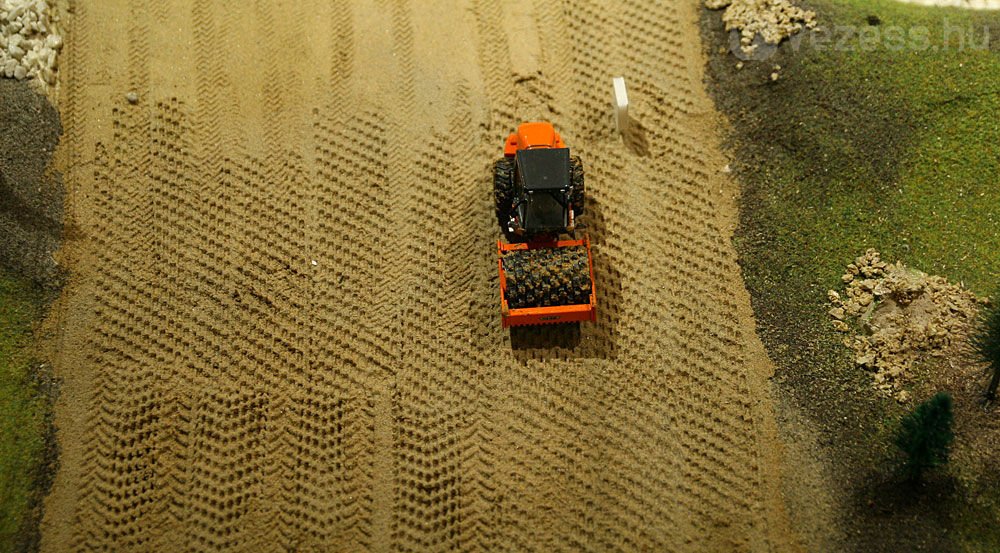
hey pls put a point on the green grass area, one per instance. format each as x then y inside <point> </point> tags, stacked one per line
<point>888,140</point>
<point>23,409</point>
<point>910,167</point>
<point>863,145</point>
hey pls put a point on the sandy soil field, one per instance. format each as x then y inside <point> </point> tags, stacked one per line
<point>282,329</point>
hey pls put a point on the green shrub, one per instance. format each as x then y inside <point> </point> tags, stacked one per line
<point>925,435</point>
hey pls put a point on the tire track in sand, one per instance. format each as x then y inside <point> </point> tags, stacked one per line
<point>234,395</point>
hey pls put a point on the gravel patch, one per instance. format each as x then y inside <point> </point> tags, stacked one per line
<point>895,316</point>
<point>29,44</point>
<point>773,20</point>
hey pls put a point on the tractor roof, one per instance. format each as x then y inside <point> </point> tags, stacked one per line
<point>544,168</point>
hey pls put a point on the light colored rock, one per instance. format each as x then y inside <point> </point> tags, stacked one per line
<point>916,317</point>
<point>28,39</point>
<point>867,359</point>
<point>774,20</point>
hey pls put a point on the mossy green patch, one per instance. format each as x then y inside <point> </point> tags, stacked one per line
<point>23,409</point>
<point>883,131</point>
<point>894,149</point>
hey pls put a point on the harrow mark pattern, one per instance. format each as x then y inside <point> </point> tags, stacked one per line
<point>283,333</point>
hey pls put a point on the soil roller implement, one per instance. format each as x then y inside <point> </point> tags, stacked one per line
<point>539,191</point>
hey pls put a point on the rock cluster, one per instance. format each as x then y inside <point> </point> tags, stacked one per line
<point>895,316</point>
<point>774,20</point>
<point>29,44</point>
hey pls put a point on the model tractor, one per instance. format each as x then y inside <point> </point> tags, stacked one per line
<point>539,191</point>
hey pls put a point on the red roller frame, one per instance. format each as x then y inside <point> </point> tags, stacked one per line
<point>546,315</point>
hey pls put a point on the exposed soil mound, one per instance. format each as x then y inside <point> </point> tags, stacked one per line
<point>897,315</point>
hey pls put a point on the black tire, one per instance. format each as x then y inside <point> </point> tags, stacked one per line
<point>503,190</point>
<point>578,196</point>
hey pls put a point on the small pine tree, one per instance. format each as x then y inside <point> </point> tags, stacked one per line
<point>925,435</point>
<point>987,344</point>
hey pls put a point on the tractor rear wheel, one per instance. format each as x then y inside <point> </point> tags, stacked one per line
<point>503,190</point>
<point>577,198</point>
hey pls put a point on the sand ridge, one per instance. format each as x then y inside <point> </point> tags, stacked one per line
<point>282,331</point>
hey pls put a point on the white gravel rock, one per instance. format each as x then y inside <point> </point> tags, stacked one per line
<point>774,20</point>
<point>28,42</point>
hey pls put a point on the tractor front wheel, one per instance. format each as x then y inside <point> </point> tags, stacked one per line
<point>503,190</point>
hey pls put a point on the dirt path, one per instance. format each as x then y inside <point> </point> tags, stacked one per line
<point>283,332</point>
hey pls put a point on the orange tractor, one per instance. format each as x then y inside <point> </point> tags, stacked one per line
<point>539,193</point>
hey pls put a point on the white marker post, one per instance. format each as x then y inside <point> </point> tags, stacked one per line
<point>620,105</point>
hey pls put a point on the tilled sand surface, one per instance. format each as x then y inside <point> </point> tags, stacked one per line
<point>283,333</point>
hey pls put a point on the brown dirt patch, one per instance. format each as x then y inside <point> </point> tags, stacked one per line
<point>31,195</point>
<point>284,331</point>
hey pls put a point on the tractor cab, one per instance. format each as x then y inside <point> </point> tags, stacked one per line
<point>538,185</point>
<point>542,190</point>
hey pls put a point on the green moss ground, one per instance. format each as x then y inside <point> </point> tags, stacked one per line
<point>23,411</point>
<point>896,149</point>
<point>912,165</point>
